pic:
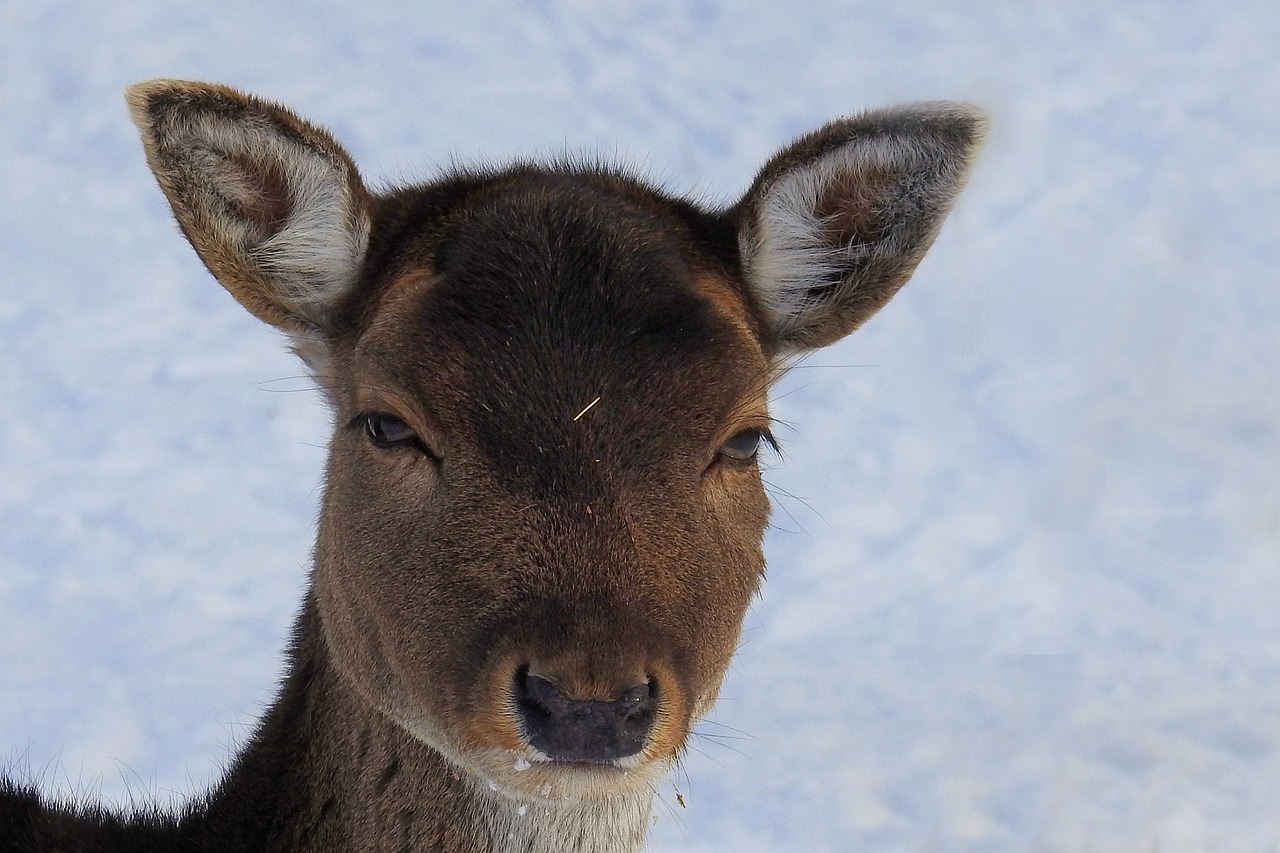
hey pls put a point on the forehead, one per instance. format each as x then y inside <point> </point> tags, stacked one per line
<point>551,294</point>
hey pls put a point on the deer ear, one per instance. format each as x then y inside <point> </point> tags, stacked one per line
<point>836,223</point>
<point>272,204</point>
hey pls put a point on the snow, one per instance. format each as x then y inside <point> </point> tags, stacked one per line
<point>1023,583</point>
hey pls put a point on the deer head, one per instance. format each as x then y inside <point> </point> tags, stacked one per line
<point>543,513</point>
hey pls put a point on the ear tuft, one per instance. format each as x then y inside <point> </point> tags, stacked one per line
<point>836,223</point>
<point>272,204</point>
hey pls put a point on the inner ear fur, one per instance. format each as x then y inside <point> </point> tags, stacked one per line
<point>836,223</point>
<point>272,204</point>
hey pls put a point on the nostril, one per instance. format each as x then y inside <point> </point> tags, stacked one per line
<point>637,701</point>
<point>541,694</point>
<point>636,709</point>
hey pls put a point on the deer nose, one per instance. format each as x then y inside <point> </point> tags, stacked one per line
<point>567,729</point>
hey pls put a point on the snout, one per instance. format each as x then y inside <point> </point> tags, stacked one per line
<point>576,698</point>
<point>564,725</point>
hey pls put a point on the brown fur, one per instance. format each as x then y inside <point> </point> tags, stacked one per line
<point>563,358</point>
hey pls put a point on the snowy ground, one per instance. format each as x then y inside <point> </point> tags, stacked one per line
<point>1025,587</point>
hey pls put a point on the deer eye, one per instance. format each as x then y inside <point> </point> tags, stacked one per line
<point>744,446</point>
<point>388,431</point>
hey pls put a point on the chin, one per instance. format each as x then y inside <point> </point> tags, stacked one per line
<point>545,780</point>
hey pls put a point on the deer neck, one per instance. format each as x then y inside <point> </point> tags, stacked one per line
<point>324,771</point>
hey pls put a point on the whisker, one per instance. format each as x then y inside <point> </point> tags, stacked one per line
<point>770,490</point>
<point>707,756</point>
<point>718,738</point>
<point>773,488</point>
<point>744,735</point>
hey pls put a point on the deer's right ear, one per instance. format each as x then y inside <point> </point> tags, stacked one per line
<point>272,204</point>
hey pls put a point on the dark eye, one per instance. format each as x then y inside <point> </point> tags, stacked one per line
<point>388,431</point>
<point>744,446</point>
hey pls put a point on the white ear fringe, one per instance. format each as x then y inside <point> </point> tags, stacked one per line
<point>787,251</point>
<point>314,258</point>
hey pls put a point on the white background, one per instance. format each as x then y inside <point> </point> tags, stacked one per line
<point>1023,586</point>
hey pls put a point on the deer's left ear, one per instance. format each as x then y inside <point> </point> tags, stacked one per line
<point>836,223</point>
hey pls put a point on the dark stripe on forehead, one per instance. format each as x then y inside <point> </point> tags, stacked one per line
<point>558,294</point>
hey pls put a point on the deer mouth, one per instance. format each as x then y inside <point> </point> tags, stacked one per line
<point>542,779</point>
<point>578,749</point>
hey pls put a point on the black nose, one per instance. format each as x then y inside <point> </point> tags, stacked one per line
<point>567,729</point>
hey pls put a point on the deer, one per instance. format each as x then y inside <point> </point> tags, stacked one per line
<point>542,517</point>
